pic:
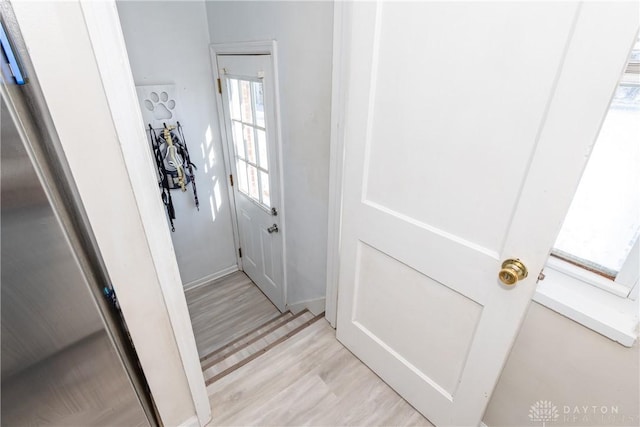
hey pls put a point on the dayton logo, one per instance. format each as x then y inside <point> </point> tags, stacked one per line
<point>543,411</point>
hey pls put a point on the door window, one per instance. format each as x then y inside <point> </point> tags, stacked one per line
<point>246,102</point>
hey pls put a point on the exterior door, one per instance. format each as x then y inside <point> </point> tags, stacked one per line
<point>467,127</point>
<point>248,98</point>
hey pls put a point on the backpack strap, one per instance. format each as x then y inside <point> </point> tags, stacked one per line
<point>190,165</point>
<point>165,193</point>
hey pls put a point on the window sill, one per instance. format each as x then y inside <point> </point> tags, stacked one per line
<point>608,314</point>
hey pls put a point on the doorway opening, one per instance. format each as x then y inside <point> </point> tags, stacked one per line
<point>247,110</point>
<point>209,243</point>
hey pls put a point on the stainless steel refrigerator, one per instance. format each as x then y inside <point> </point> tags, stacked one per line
<point>66,356</point>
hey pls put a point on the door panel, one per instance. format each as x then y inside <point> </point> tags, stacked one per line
<point>268,261</point>
<point>448,317</point>
<point>488,91</point>
<point>248,96</point>
<point>453,114</point>
<point>247,240</point>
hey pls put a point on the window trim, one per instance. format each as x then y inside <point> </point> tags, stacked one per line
<point>613,316</point>
<point>588,277</point>
<point>622,281</point>
<point>610,307</point>
<point>629,273</point>
<point>255,202</point>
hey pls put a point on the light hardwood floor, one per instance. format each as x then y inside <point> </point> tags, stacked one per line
<point>310,379</point>
<point>256,345</point>
<point>226,309</point>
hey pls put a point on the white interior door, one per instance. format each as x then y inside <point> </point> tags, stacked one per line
<point>467,126</point>
<point>248,98</point>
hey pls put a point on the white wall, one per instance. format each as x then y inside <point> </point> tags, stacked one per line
<point>167,42</point>
<point>559,360</point>
<point>303,31</point>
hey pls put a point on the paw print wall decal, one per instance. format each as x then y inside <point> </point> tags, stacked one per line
<point>160,105</point>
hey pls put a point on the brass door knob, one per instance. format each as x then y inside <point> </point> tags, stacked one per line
<point>512,271</point>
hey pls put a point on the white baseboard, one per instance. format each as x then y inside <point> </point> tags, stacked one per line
<point>209,278</point>
<point>315,306</point>
<point>190,422</point>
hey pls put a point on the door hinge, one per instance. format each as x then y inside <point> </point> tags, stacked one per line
<point>541,276</point>
<point>231,179</point>
<point>240,252</point>
<point>219,86</point>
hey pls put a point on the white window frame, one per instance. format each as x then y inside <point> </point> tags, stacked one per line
<point>622,285</point>
<point>613,316</point>
<point>609,307</point>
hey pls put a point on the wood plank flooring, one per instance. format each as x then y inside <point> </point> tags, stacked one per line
<point>309,379</point>
<point>233,346</point>
<point>254,345</point>
<point>225,310</point>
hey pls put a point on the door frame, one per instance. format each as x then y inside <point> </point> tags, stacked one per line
<point>339,74</point>
<point>264,47</point>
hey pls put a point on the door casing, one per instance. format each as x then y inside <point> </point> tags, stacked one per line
<point>267,47</point>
